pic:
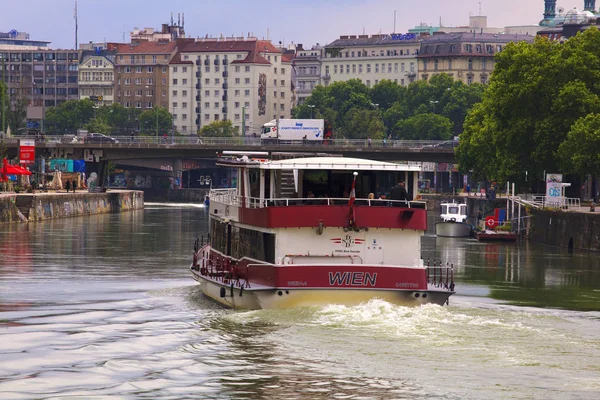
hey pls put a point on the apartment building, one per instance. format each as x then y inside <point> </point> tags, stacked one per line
<point>244,80</point>
<point>466,56</point>
<point>37,76</point>
<point>371,59</point>
<point>307,71</point>
<point>96,77</point>
<point>141,72</point>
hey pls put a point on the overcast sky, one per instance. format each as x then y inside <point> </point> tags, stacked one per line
<point>298,21</point>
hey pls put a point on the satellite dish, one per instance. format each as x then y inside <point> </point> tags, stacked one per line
<point>561,10</point>
<point>13,33</point>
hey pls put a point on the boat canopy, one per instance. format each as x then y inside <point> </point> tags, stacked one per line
<point>323,163</point>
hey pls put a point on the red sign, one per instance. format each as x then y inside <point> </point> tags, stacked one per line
<point>27,151</point>
<point>490,222</point>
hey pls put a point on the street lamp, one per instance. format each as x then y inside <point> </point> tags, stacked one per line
<point>311,106</point>
<point>433,103</point>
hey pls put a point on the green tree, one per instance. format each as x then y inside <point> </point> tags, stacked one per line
<point>218,129</point>
<point>386,93</point>
<point>363,123</point>
<point>536,93</point>
<point>427,126</point>
<point>98,125</point>
<point>4,106</point>
<point>580,152</point>
<point>69,116</point>
<point>158,118</point>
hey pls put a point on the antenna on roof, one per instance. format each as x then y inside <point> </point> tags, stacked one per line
<point>394,22</point>
<point>480,9</point>
<point>182,20</point>
<point>171,18</point>
<point>75,24</point>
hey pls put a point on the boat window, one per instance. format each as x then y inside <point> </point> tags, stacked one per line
<point>463,209</point>
<point>444,209</point>
<point>254,183</point>
<point>453,210</point>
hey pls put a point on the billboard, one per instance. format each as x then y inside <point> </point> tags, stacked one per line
<point>27,151</point>
<point>554,196</point>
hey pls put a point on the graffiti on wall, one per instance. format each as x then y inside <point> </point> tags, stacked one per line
<point>262,94</point>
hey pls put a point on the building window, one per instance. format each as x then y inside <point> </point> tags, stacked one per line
<point>184,81</point>
<point>246,93</point>
<point>368,83</point>
<point>484,64</point>
<point>237,81</point>
<point>469,80</point>
<point>335,69</point>
<point>207,105</point>
<point>470,63</point>
<point>206,117</point>
<point>424,65</point>
<point>368,68</point>
<point>138,69</point>
<point>217,81</point>
<point>184,105</point>
<point>247,69</point>
<point>150,69</point>
<point>237,92</point>
<point>237,67</point>
<point>449,63</point>
<point>184,93</point>
<point>247,81</point>
<point>435,65</point>
<point>127,70</point>
<point>207,93</point>
<point>183,68</point>
<point>174,81</point>
<point>206,69</point>
<point>174,104</point>
<point>376,68</point>
<point>174,93</point>
<point>236,117</point>
<point>217,93</point>
<point>237,104</point>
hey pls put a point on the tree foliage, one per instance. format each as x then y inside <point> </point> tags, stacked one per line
<point>156,121</point>
<point>351,107</point>
<point>536,94</point>
<point>580,152</point>
<point>218,129</point>
<point>426,126</point>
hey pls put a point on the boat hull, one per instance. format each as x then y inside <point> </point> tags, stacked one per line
<point>286,297</point>
<point>452,229</point>
<point>496,237</point>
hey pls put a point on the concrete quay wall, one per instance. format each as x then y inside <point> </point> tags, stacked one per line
<point>574,230</point>
<point>42,206</point>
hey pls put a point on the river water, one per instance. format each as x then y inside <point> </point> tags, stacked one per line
<point>103,307</point>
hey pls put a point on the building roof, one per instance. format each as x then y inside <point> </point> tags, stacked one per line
<point>254,48</point>
<point>373,40</point>
<point>143,47</point>
<point>178,60</point>
<point>477,37</point>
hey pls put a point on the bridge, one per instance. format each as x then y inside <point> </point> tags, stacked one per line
<point>132,150</point>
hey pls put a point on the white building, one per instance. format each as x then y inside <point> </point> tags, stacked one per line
<point>97,80</point>
<point>244,80</point>
<point>372,59</point>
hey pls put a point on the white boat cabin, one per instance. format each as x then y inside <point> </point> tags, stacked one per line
<point>453,212</point>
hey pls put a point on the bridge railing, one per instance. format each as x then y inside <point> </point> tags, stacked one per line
<point>222,142</point>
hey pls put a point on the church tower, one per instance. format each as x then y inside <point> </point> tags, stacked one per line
<point>549,13</point>
<point>589,5</point>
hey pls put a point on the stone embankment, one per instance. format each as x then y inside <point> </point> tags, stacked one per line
<point>24,207</point>
<point>574,230</point>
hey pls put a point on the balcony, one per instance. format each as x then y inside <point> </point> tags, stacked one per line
<point>216,62</point>
<point>224,85</point>
<point>198,62</point>
<point>225,74</point>
<point>224,110</point>
<point>198,74</point>
<point>411,74</point>
<point>224,97</point>
<point>225,62</point>
<point>197,110</point>
<point>197,121</point>
<point>198,98</point>
<point>198,85</point>
<point>206,62</point>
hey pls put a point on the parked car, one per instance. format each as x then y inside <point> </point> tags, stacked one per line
<point>99,138</point>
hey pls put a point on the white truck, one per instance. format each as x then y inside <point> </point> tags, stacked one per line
<point>293,130</point>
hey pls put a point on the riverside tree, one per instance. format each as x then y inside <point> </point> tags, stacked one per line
<point>536,94</point>
<point>357,111</point>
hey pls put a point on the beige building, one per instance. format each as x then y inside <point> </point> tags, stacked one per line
<point>96,79</point>
<point>307,71</point>
<point>467,57</point>
<point>142,73</point>
<point>244,80</point>
<point>371,59</point>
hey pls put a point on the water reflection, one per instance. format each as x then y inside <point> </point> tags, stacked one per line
<point>523,273</point>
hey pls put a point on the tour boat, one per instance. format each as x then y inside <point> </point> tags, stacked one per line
<point>453,221</point>
<point>294,233</point>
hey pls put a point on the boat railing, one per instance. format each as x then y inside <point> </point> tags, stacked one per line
<point>254,202</point>
<point>541,201</point>
<point>225,196</point>
<point>440,275</point>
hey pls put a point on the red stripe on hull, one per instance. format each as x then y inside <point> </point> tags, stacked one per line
<point>335,216</point>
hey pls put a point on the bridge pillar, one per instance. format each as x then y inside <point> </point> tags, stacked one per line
<point>178,170</point>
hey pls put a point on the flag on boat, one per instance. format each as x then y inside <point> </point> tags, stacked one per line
<point>351,215</point>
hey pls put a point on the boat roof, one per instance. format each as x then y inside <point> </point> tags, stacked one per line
<point>324,163</point>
